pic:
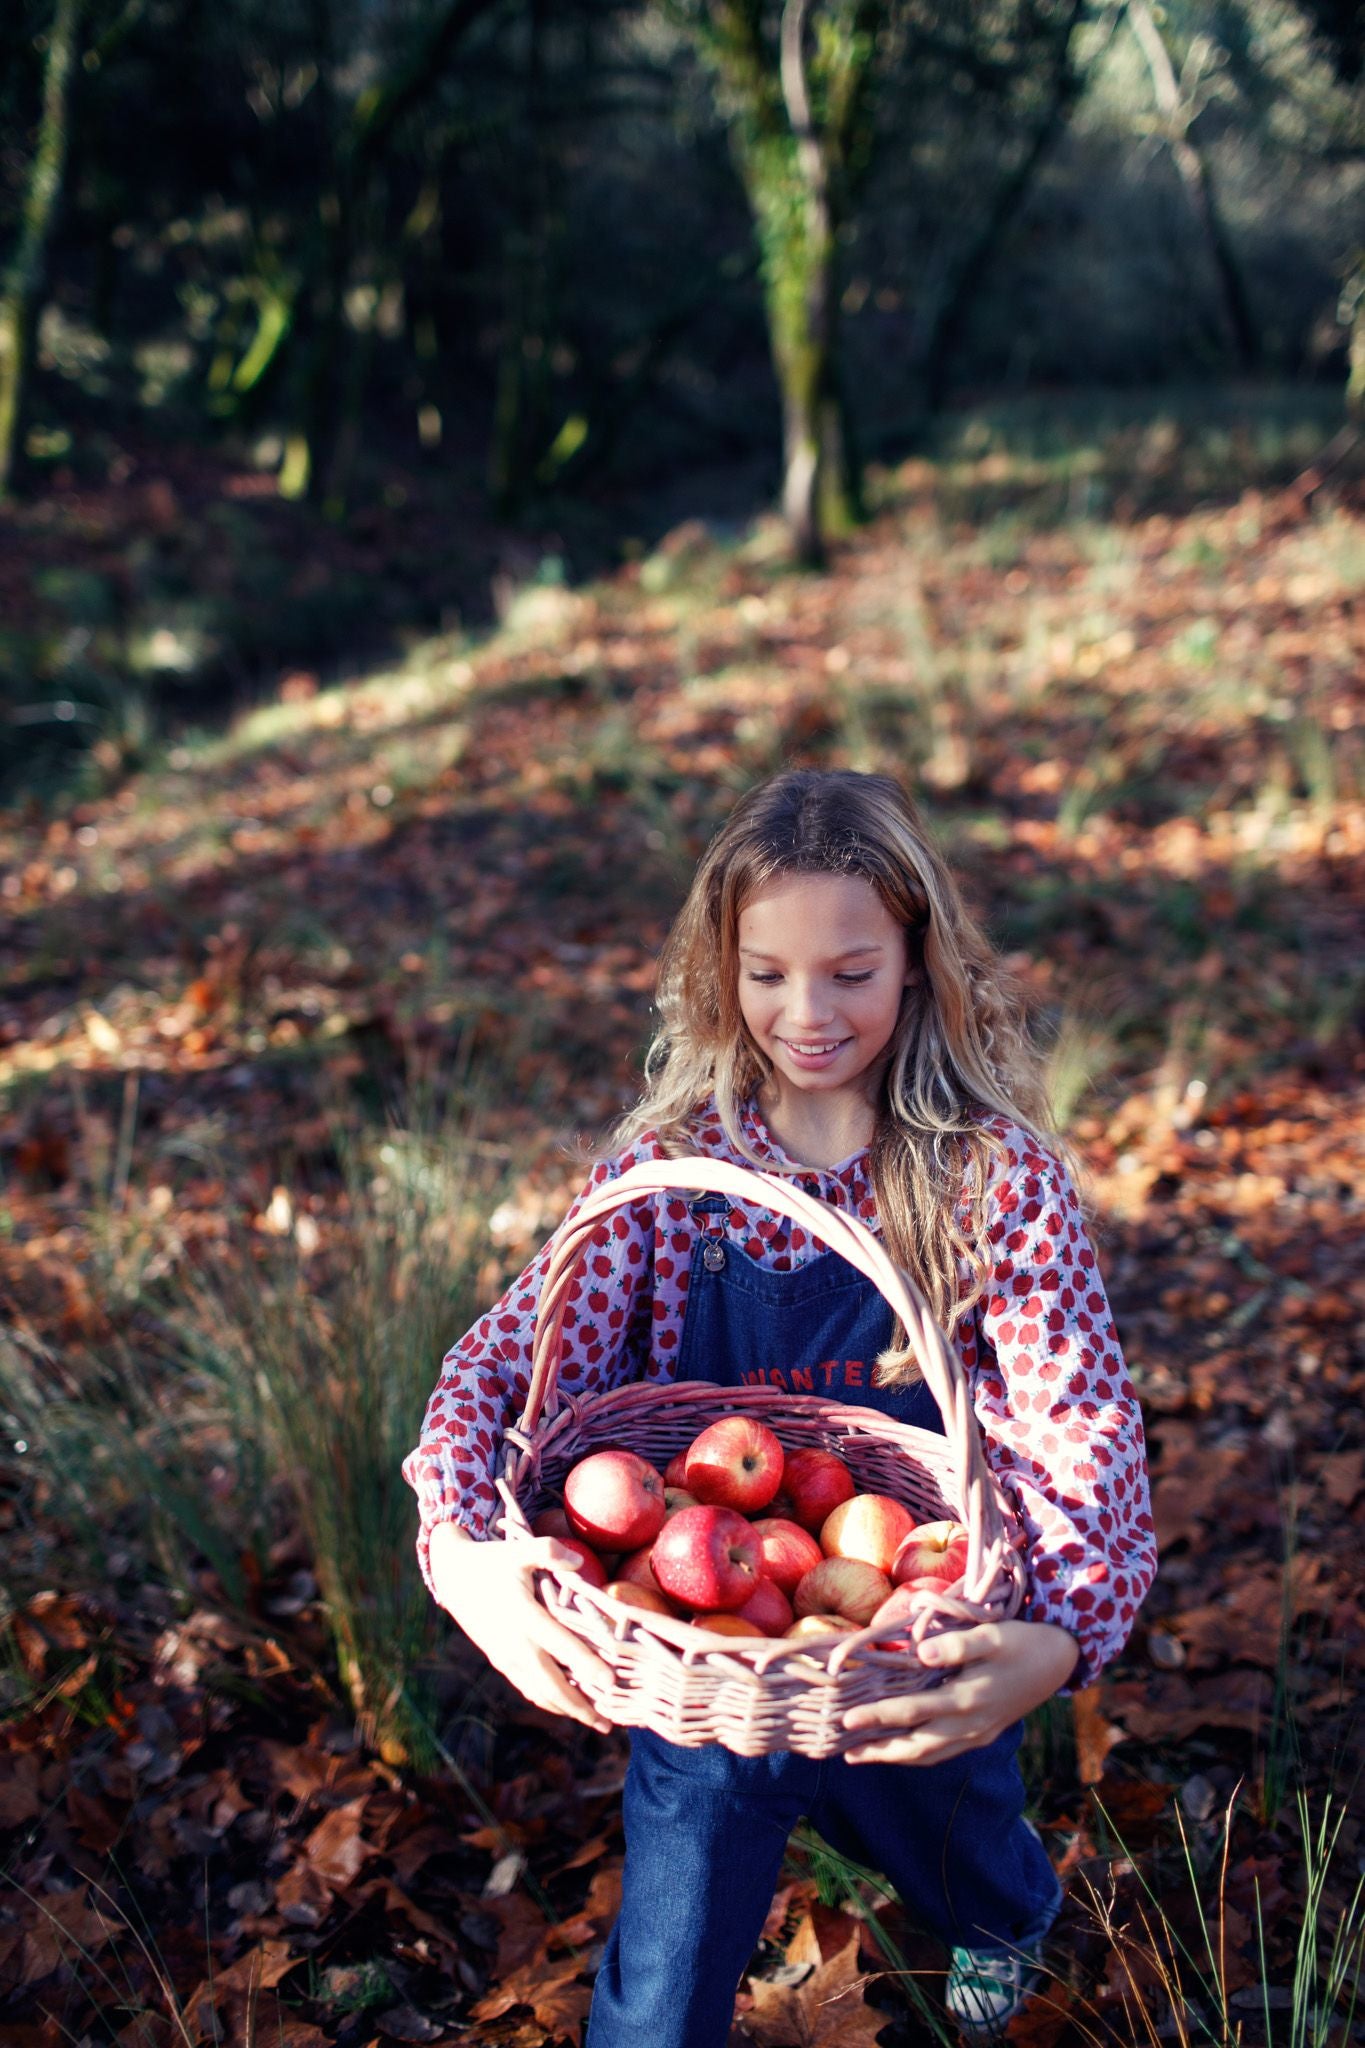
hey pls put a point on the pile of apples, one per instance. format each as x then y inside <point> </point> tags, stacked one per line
<point>742,1538</point>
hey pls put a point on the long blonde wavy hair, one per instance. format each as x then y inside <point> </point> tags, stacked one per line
<point>961,1052</point>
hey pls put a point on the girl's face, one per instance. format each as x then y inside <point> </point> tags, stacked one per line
<point>822,968</point>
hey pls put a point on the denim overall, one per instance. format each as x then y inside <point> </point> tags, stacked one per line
<point>706,1830</point>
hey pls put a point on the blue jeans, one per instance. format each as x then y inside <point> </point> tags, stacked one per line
<point>705,1835</point>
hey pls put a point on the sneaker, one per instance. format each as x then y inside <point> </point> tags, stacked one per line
<point>986,1988</point>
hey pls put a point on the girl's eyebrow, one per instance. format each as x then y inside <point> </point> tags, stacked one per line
<point>849,952</point>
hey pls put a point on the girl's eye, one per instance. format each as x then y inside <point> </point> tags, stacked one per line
<point>847,980</point>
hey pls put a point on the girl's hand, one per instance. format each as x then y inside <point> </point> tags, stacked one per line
<point>1003,1669</point>
<point>489,1590</point>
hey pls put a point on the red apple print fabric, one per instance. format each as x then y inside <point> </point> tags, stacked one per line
<point>1058,1415</point>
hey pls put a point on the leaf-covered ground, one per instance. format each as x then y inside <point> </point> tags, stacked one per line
<point>1141,733</point>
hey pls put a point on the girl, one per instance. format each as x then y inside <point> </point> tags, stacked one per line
<point>830,1011</point>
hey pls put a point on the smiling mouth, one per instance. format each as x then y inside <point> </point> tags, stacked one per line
<point>813,1051</point>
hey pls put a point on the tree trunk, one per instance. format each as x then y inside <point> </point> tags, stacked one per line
<point>521,410</point>
<point>949,322</point>
<point>312,317</point>
<point>1196,175</point>
<point>1353,313</point>
<point>795,178</point>
<point>21,294</point>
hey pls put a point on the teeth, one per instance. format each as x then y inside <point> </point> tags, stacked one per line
<point>815,1048</point>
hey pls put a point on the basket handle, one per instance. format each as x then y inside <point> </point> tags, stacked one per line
<point>938,1361</point>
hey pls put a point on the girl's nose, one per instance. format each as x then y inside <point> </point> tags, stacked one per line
<point>808,1004</point>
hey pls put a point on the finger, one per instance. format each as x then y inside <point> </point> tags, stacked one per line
<point>905,1749</point>
<point>570,1650</point>
<point>589,1671</point>
<point>541,1553</point>
<point>958,1646</point>
<point>906,1710</point>
<point>561,1696</point>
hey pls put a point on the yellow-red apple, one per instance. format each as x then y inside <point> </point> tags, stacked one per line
<point>935,1550</point>
<point>871,1526</point>
<point>820,1625</point>
<point>842,1585</point>
<point>726,1624</point>
<point>631,1595</point>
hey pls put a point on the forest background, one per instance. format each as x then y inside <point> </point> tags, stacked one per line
<point>446,452</point>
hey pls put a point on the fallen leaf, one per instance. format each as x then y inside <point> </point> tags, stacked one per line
<point>1343,1474</point>
<point>1095,1736</point>
<point>409,1854</point>
<point>1046,2016</point>
<point>523,1931</point>
<point>1131,1805</point>
<point>236,1989</point>
<point>405,2023</point>
<point>503,1877</point>
<point>335,1848</point>
<point>302,1897</point>
<point>1169,1707</point>
<point>1198,1797</point>
<point>20,1799</point>
<point>550,1990</point>
<point>1166,1651</point>
<point>826,2009</point>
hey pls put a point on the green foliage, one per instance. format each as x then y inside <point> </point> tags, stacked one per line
<point>278,1390</point>
<point>325,1363</point>
<point>1176,1986</point>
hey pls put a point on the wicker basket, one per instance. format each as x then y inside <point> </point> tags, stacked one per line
<point>692,1685</point>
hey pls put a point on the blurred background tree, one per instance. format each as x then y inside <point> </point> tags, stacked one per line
<point>574,272</point>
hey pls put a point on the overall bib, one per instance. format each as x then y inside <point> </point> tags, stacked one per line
<point>706,1830</point>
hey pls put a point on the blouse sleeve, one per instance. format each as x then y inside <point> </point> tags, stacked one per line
<point>1060,1417</point>
<point>486,1376</point>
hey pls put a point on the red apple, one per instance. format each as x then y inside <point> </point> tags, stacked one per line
<point>900,1606</point>
<point>768,1607</point>
<point>933,1550</point>
<point>787,1550</point>
<point>735,1463</point>
<point>551,1522</point>
<point>637,1570</point>
<point>871,1526</point>
<point>820,1625</point>
<point>615,1499</point>
<point>843,1585</point>
<point>706,1557</point>
<point>589,1566</point>
<point>676,1497</point>
<point>675,1469</point>
<point>815,1482</point>
<point>897,1606</point>
<point>631,1595</point>
<point>726,1624</point>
